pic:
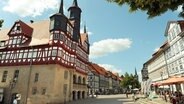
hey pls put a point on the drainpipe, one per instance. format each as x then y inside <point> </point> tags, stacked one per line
<point>167,69</point>
<point>29,76</point>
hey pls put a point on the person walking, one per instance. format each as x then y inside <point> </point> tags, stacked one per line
<point>15,101</point>
<point>133,96</point>
<point>127,93</point>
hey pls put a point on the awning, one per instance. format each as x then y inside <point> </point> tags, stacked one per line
<point>164,86</point>
<point>155,84</point>
<point>172,80</point>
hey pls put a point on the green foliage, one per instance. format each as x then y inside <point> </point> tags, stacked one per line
<point>1,23</point>
<point>130,79</point>
<point>153,8</point>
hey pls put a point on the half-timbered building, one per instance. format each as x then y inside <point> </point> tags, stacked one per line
<point>45,62</point>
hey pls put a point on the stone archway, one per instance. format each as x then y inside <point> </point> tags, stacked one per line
<point>79,95</point>
<point>74,79</point>
<point>83,94</point>
<point>74,95</point>
<point>79,79</point>
<point>83,81</point>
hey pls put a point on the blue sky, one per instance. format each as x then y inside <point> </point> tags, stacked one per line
<point>120,41</point>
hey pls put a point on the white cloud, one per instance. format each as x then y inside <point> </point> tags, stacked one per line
<point>32,8</point>
<point>111,68</point>
<point>107,46</point>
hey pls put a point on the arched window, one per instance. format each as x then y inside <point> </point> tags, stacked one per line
<point>84,81</point>
<point>74,79</point>
<point>79,79</point>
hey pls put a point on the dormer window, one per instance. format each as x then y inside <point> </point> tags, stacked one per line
<point>18,28</point>
<point>2,43</point>
<point>173,31</point>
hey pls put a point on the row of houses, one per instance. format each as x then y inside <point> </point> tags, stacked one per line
<point>168,61</point>
<point>102,81</point>
<point>47,62</point>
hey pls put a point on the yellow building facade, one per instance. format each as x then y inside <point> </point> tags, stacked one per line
<point>43,62</point>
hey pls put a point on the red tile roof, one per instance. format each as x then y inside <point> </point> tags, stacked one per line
<point>92,69</point>
<point>26,29</point>
<point>99,69</point>
<point>39,31</point>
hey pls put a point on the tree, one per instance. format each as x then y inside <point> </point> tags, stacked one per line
<point>1,22</point>
<point>153,7</point>
<point>130,80</point>
<point>126,81</point>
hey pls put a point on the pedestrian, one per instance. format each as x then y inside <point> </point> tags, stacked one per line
<point>133,96</point>
<point>96,93</point>
<point>127,93</point>
<point>15,101</point>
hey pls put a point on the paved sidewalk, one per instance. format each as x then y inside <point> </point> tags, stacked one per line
<point>143,100</point>
<point>105,99</point>
<point>118,99</point>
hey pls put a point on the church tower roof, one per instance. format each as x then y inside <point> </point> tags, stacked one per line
<point>61,7</point>
<point>135,71</point>
<point>75,4</point>
<point>85,31</point>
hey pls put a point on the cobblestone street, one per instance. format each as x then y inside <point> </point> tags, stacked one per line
<point>105,99</point>
<point>117,99</point>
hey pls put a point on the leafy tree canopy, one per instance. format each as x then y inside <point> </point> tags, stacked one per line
<point>128,80</point>
<point>152,7</point>
<point>1,22</point>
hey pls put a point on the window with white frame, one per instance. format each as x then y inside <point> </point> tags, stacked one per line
<point>54,51</point>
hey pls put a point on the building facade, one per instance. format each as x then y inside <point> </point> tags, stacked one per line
<point>102,81</point>
<point>175,53</point>
<point>93,79</point>
<point>156,66</point>
<point>168,61</point>
<point>45,62</point>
